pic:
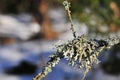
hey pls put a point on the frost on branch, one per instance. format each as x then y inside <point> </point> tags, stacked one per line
<point>80,52</point>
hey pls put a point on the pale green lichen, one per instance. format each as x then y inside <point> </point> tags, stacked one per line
<point>80,52</point>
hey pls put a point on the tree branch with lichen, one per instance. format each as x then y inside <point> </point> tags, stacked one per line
<point>80,52</point>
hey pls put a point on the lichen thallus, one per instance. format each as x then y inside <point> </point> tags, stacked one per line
<point>80,52</point>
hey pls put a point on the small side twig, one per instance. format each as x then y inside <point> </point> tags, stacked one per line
<point>67,8</point>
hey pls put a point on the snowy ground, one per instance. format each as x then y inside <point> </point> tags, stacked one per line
<point>11,55</point>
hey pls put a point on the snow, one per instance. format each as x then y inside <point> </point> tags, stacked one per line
<point>12,27</point>
<point>8,77</point>
<point>100,75</point>
<point>11,55</point>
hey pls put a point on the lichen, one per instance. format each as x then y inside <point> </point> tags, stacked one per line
<point>80,52</point>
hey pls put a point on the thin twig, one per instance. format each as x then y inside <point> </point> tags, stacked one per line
<point>67,8</point>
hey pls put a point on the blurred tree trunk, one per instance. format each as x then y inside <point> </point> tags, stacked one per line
<point>116,16</point>
<point>45,21</point>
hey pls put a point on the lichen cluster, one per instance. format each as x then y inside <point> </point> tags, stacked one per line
<point>80,52</point>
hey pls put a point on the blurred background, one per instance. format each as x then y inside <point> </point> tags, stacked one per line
<point>30,29</point>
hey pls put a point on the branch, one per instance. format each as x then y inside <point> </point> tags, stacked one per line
<point>80,52</point>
